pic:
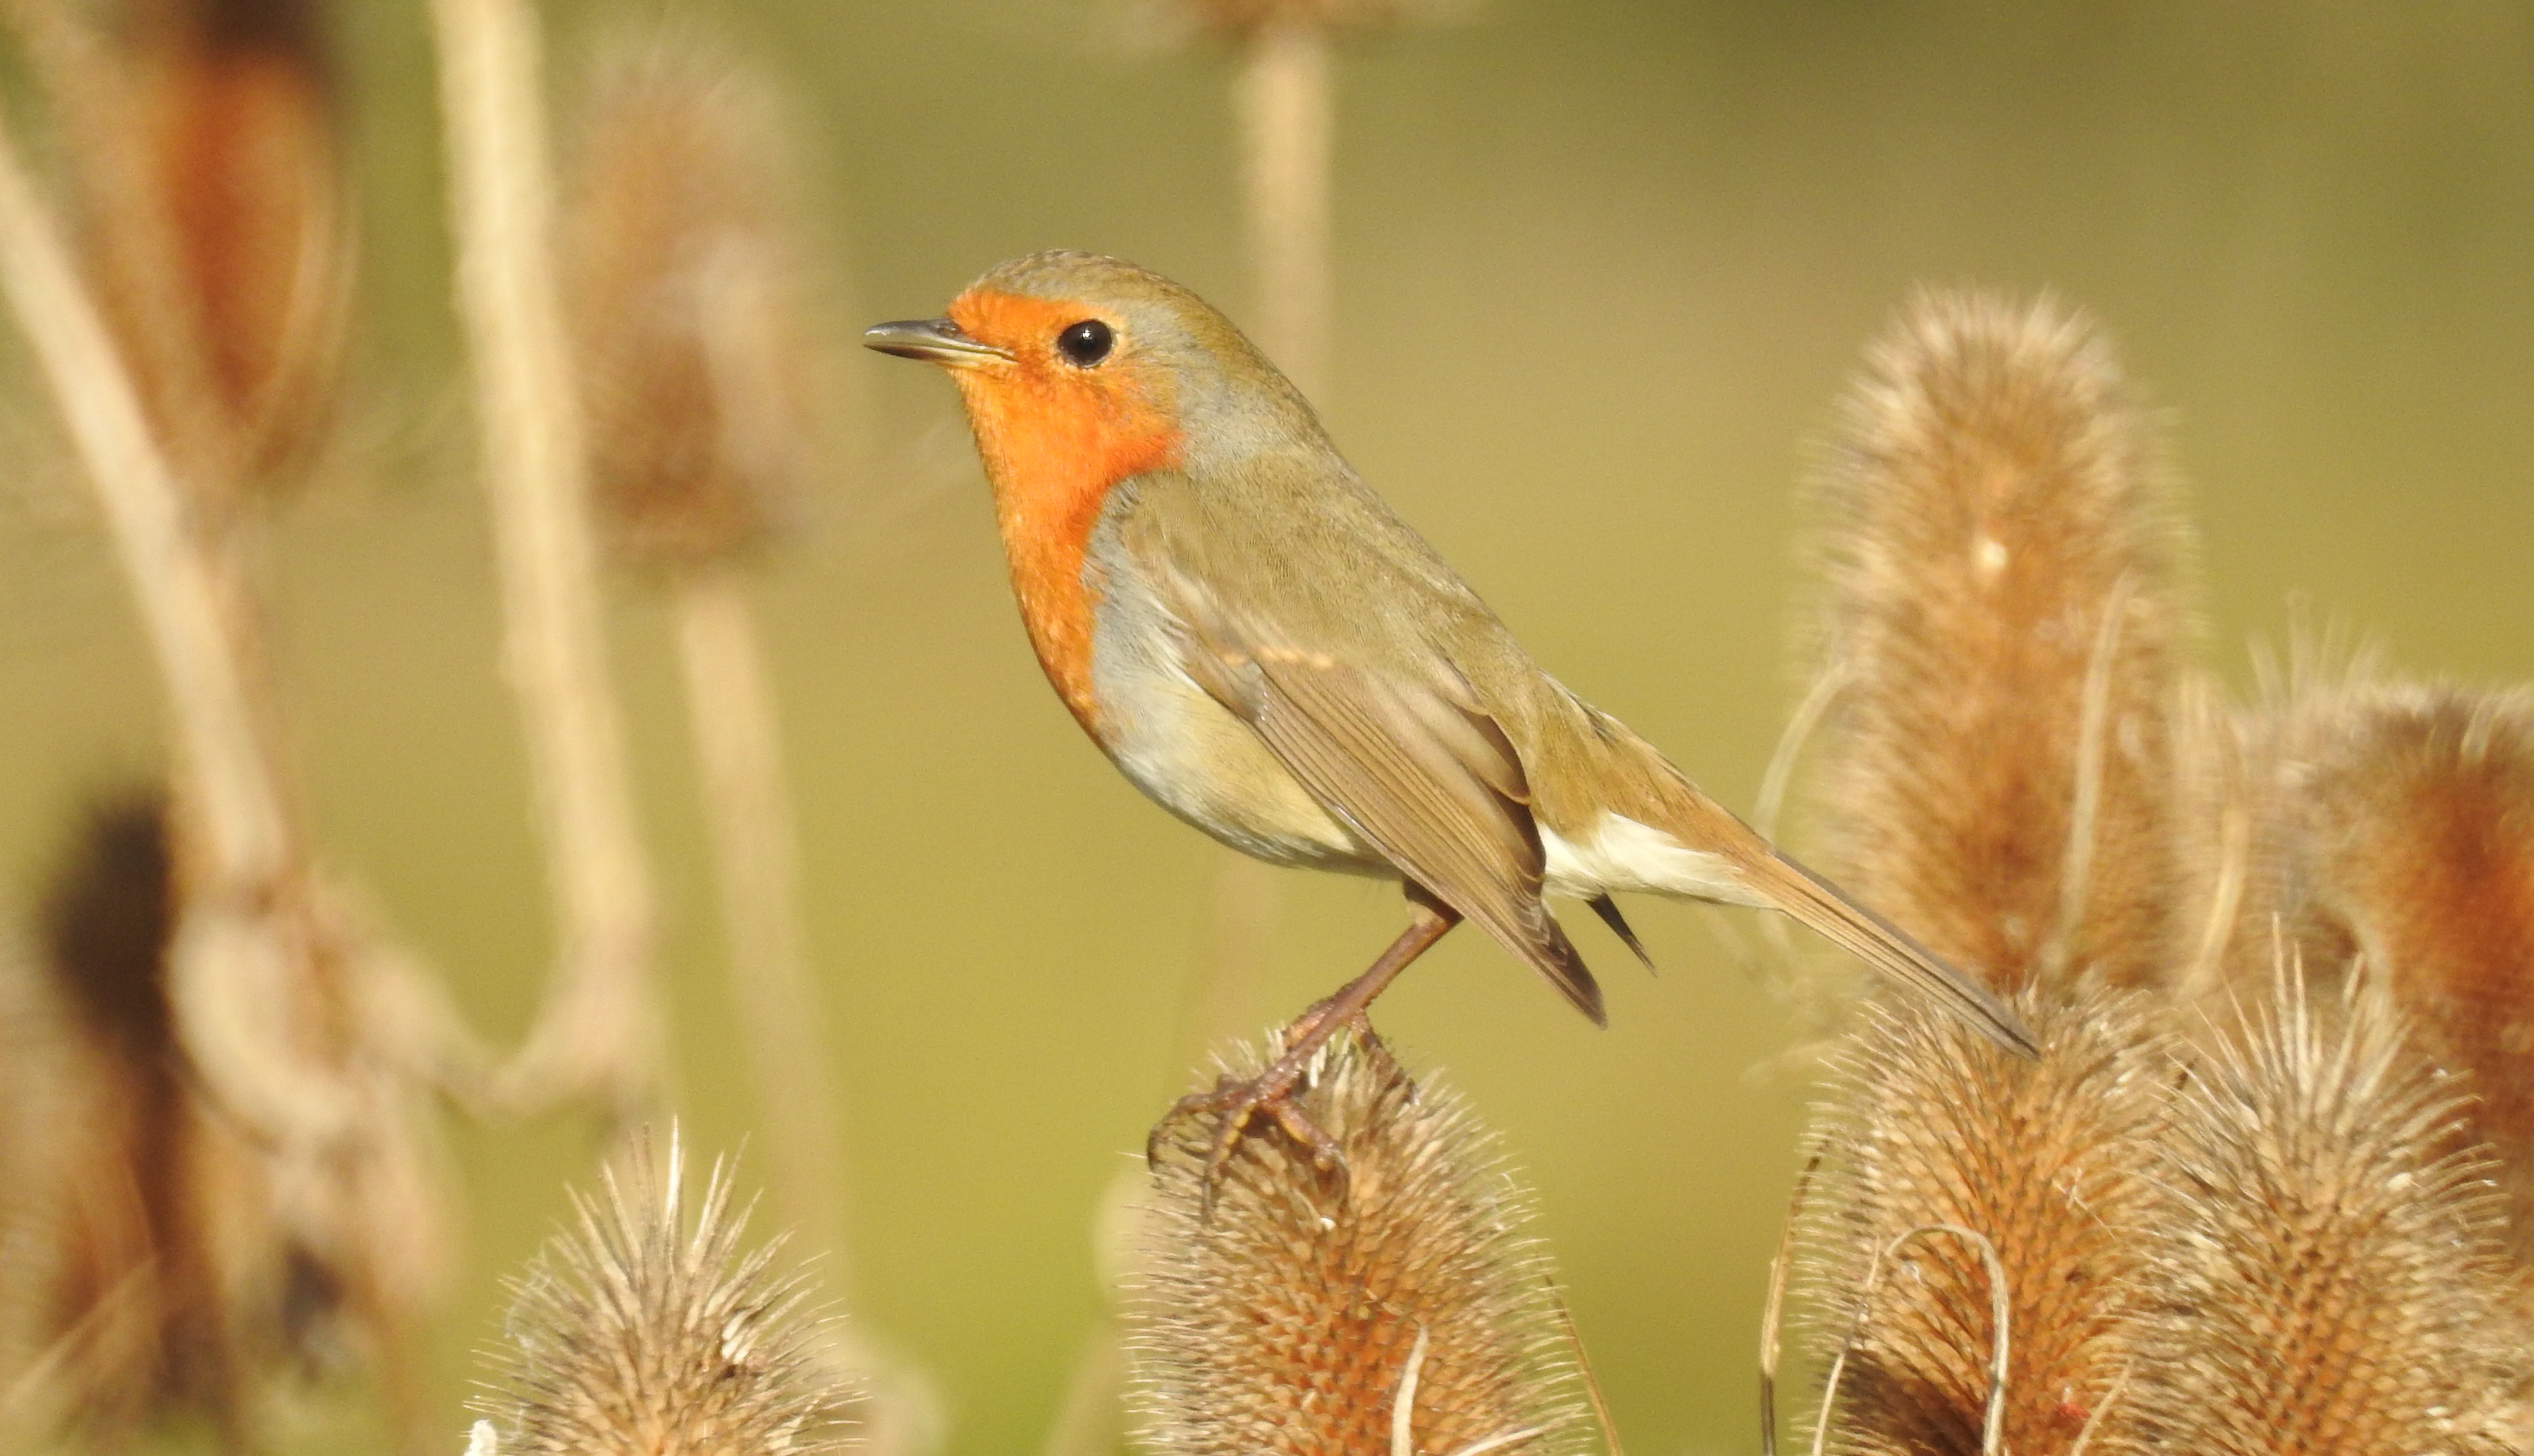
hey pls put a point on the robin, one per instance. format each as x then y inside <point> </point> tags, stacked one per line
<point>1266,651</point>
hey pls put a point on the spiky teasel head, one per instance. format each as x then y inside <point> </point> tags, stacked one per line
<point>2002,615</point>
<point>1406,1314</point>
<point>1946,1165</point>
<point>205,150</point>
<point>2327,1275</point>
<point>2409,842</point>
<point>641,1333</point>
<point>682,275</point>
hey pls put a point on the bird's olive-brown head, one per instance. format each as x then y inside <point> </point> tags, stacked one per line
<point>1081,369</point>
<point>1080,373</point>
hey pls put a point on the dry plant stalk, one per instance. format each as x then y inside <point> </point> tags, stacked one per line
<point>300,1023</point>
<point>700,384</point>
<point>637,1333</point>
<point>598,1032</point>
<point>2409,839</point>
<point>246,838</point>
<point>1285,101</point>
<point>1402,1314</point>
<point>2001,568</point>
<point>1925,1128</point>
<point>2329,1274</point>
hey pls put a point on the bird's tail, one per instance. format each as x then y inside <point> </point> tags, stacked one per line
<point>1731,863</point>
<point>1827,910</point>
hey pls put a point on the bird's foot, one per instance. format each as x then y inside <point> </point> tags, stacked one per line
<point>1237,1105</point>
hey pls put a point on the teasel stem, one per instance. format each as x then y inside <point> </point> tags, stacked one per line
<point>245,844</point>
<point>730,711</point>
<point>598,1031</point>
<point>1782,1266</point>
<point>1286,101</point>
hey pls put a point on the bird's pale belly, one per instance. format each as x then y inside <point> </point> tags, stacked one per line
<point>1195,759</point>
<point>1191,756</point>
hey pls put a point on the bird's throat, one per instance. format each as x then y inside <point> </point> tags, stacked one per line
<point>1054,447</point>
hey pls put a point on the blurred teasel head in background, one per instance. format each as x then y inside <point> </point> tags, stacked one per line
<point>145,1274</point>
<point>682,269</point>
<point>203,150</point>
<point>2402,838</point>
<point>2001,572</point>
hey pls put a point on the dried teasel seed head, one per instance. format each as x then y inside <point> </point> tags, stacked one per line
<point>2409,839</point>
<point>2002,613</point>
<point>141,1263</point>
<point>205,144</point>
<point>2327,1275</point>
<point>1924,1130</point>
<point>683,280</point>
<point>1406,1314</point>
<point>641,1333</point>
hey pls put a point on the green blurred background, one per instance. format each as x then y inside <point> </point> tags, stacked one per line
<point>1602,268</point>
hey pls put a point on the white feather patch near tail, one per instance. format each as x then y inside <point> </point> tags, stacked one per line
<point>1622,855</point>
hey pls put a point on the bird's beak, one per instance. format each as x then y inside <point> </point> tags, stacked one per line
<point>933,340</point>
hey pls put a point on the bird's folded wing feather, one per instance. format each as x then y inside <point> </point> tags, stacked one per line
<point>1414,768</point>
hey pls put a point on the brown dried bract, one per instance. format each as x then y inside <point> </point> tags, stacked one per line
<point>145,1273</point>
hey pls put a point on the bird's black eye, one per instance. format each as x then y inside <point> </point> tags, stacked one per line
<point>1086,343</point>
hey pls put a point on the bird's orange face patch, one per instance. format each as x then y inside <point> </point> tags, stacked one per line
<point>1056,437</point>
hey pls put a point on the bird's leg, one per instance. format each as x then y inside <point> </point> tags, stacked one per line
<point>1235,1103</point>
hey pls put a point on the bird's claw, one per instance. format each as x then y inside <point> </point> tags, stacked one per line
<point>1236,1105</point>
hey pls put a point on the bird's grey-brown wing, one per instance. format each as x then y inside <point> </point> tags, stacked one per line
<point>1405,762</point>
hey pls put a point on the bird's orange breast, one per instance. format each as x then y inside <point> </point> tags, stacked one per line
<point>1056,440</point>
